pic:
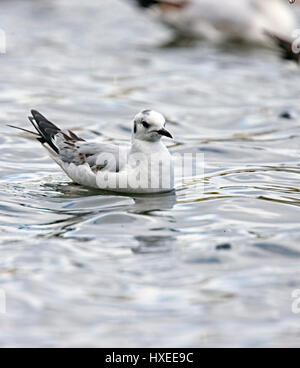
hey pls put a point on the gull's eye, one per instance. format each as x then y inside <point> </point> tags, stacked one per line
<point>145,125</point>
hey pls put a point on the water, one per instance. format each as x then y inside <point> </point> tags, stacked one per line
<point>190,269</point>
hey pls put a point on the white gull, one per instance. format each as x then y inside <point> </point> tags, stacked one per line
<point>144,166</point>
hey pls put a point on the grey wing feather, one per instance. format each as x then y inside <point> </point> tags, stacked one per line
<point>98,156</point>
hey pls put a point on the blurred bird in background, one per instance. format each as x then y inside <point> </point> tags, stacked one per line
<point>246,21</point>
<point>290,48</point>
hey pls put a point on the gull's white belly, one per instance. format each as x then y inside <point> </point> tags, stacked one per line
<point>142,174</point>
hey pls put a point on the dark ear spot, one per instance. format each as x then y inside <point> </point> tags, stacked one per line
<point>145,125</point>
<point>135,128</point>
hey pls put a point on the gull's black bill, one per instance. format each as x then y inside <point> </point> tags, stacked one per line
<point>165,133</point>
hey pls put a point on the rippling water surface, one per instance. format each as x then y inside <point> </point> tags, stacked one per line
<point>215,263</point>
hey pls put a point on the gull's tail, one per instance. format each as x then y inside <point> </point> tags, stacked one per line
<point>45,130</point>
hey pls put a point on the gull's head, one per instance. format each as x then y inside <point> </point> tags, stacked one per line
<point>149,126</point>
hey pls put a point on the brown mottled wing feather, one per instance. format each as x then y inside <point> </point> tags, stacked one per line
<point>75,137</point>
<point>170,5</point>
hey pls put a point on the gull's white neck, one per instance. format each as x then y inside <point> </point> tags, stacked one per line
<point>147,147</point>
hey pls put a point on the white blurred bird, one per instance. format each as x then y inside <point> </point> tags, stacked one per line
<point>226,20</point>
<point>143,167</point>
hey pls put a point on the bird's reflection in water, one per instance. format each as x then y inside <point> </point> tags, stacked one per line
<point>148,204</point>
<point>83,207</point>
<point>155,243</point>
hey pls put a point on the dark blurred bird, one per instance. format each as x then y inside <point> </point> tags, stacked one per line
<point>227,20</point>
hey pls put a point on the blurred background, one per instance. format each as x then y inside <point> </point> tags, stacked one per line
<point>190,269</point>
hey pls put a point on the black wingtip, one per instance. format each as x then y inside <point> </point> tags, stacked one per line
<point>45,128</point>
<point>37,115</point>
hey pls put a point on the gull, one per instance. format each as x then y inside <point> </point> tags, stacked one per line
<point>227,20</point>
<point>145,166</point>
